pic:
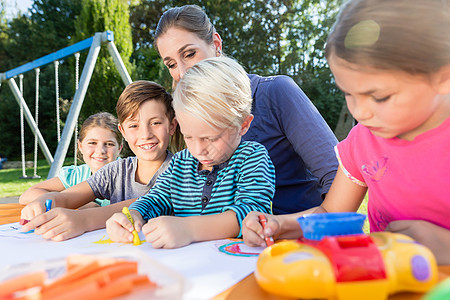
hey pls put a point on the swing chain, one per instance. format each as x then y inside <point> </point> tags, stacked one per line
<point>36,119</point>
<point>75,136</point>
<point>58,125</point>
<point>22,129</point>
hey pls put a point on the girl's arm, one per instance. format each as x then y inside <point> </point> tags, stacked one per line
<point>343,196</point>
<point>436,238</point>
<point>50,185</point>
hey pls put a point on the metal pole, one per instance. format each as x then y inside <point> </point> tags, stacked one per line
<point>119,63</point>
<point>75,108</point>
<point>16,92</point>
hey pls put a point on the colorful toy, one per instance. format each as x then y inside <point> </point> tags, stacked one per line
<point>343,265</point>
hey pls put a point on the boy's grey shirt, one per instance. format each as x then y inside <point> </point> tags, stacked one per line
<point>116,181</point>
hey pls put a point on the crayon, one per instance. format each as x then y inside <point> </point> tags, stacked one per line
<point>48,205</point>
<point>263,221</point>
<point>136,239</point>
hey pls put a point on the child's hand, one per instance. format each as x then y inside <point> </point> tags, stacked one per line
<point>253,232</point>
<point>120,229</point>
<point>58,224</point>
<point>33,209</point>
<point>436,238</point>
<point>168,232</point>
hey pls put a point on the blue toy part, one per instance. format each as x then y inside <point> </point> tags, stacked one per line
<point>317,226</point>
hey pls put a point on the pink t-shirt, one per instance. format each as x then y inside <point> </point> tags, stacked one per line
<point>407,180</point>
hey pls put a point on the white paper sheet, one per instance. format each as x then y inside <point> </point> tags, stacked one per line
<point>206,270</point>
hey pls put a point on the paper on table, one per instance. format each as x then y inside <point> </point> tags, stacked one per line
<point>207,271</point>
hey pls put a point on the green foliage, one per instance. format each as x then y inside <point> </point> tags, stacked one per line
<point>106,84</point>
<point>306,32</point>
<point>267,37</point>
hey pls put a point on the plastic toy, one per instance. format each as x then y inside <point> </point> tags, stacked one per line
<point>345,265</point>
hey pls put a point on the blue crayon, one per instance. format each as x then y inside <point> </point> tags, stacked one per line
<point>48,205</point>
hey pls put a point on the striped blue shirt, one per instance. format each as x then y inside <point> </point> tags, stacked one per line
<point>246,182</point>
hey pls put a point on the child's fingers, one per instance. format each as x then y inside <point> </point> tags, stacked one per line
<point>38,221</point>
<point>252,223</point>
<point>31,210</point>
<point>252,230</point>
<point>138,225</point>
<point>252,238</point>
<point>119,228</point>
<point>272,226</point>
<point>52,230</point>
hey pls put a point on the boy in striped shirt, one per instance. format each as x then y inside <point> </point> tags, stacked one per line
<point>208,188</point>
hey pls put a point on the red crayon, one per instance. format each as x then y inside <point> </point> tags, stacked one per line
<point>263,221</point>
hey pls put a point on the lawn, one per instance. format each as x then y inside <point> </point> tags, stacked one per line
<point>11,184</point>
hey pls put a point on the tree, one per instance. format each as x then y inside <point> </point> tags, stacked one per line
<point>106,84</point>
<point>267,37</point>
<point>304,57</point>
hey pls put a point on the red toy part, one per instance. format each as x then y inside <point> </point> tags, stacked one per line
<point>353,257</point>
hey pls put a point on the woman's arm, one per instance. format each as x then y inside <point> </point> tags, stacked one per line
<point>306,129</point>
<point>50,185</point>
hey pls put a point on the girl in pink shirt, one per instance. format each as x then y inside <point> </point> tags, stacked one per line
<point>391,59</point>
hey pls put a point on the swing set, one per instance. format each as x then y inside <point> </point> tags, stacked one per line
<point>70,128</point>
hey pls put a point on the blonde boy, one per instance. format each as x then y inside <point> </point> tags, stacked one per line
<point>218,179</point>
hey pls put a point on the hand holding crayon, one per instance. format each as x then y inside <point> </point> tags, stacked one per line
<point>263,221</point>
<point>136,239</point>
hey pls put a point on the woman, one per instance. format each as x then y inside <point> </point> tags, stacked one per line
<point>299,141</point>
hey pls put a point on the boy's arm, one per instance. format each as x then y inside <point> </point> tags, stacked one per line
<point>60,224</point>
<point>173,232</point>
<point>256,186</point>
<point>73,197</point>
<point>436,238</point>
<point>158,200</point>
<point>213,227</point>
<point>51,185</point>
<point>96,217</point>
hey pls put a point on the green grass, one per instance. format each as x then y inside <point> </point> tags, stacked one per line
<point>11,184</point>
<point>363,210</point>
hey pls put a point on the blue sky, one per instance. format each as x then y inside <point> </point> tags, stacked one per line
<point>12,7</point>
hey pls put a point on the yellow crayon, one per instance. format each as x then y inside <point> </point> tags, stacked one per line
<point>136,239</point>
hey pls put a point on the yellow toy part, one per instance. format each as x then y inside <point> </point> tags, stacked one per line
<point>411,267</point>
<point>292,269</point>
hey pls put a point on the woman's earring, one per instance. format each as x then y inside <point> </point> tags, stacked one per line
<point>219,52</point>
